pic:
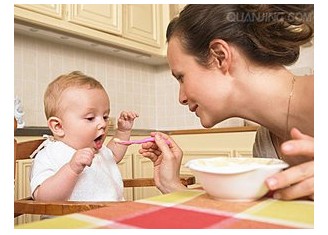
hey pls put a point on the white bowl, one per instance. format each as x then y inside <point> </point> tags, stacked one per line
<point>235,178</point>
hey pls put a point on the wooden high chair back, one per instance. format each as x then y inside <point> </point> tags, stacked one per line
<point>23,150</point>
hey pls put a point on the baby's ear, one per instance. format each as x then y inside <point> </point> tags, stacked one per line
<point>55,125</point>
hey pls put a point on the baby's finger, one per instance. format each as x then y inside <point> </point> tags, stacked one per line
<point>133,115</point>
<point>124,115</point>
<point>128,115</point>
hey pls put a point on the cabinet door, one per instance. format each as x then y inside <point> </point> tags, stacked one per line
<point>125,166</point>
<point>103,17</point>
<point>22,188</point>
<point>175,9</point>
<point>143,23</point>
<point>143,168</point>
<point>53,10</point>
<point>243,153</point>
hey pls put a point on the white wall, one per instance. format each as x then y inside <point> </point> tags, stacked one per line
<point>130,85</point>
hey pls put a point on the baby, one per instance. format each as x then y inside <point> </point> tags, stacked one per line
<point>75,165</point>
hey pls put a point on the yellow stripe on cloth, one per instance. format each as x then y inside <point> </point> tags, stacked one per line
<point>173,198</point>
<point>72,221</point>
<point>297,213</point>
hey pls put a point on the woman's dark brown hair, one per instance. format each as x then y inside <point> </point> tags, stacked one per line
<point>267,34</point>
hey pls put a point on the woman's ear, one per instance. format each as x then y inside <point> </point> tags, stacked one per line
<point>220,53</point>
<point>55,125</point>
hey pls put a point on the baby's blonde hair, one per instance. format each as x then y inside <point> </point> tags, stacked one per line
<point>76,79</point>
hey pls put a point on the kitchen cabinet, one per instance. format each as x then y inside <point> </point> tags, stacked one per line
<point>22,189</point>
<point>136,28</point>
<point>235,144</point>
<point>175,9</point>
<point>107,18</point>
<point>142,23</point>
<point>52,10</point>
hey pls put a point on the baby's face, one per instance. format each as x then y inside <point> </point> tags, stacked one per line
<point>84,115</point>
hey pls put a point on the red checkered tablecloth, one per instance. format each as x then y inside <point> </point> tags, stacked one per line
<point>190,209</point>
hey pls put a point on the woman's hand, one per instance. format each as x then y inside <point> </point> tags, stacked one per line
<point>167,162</point>
<point>297,181</point>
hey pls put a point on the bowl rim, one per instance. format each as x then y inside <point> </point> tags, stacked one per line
<point>192,164</point>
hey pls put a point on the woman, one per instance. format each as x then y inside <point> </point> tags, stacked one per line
<point>229,61</point>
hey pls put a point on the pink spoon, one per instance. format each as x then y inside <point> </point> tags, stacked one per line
<point>129,142</point>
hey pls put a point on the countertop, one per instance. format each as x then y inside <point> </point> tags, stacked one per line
<point>39,131</point>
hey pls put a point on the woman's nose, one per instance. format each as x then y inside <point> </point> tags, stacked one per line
<point>182,97</point>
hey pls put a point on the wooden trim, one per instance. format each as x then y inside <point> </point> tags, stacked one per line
<point>29,206</point>
<point>25,149</point>
<point>39,131</point>
<point>214,130</point>
<point>148,182</point>
<point>140,182</point>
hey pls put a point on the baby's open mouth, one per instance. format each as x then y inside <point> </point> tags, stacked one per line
<point>98,141</point>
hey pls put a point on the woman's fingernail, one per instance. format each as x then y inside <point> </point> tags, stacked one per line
<point>287,147</point>
<point>158,136</point>
<point>272,182</point>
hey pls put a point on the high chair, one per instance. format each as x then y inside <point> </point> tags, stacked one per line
<point>23,150</point>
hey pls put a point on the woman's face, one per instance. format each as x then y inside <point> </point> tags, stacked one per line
<point>207,91</point>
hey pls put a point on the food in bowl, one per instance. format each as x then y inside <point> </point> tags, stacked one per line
<point>235,178</point>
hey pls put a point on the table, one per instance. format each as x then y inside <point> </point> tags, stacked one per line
<point>190,209</point>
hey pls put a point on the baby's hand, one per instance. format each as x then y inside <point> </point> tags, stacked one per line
<point>81,159</point>
<point>125,120</point>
